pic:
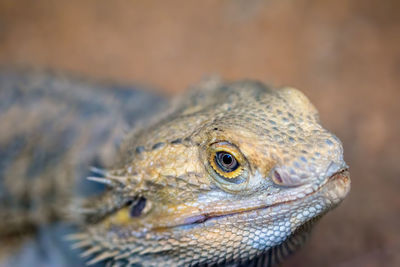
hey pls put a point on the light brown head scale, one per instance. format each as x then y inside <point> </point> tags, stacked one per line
<point>232,172</point>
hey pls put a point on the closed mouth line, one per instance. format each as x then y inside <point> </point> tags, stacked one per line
<point>201,218</point>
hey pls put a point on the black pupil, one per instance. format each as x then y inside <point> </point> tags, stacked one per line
<point>226,161</point>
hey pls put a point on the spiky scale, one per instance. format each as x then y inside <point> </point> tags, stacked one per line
<point>92,250</point>
<point>81,244</point>
<point>101,257</point>
<point>100,180</point>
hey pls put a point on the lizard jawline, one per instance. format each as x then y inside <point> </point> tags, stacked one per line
<point>202,218</point>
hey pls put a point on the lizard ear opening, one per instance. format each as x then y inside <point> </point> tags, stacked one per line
<point>137,207</point>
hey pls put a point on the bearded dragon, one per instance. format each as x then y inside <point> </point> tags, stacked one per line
<point>231,174</point>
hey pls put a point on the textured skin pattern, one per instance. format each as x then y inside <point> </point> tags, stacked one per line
<point>167,204</point>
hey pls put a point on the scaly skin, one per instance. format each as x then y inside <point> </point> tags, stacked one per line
<point>171,203</point>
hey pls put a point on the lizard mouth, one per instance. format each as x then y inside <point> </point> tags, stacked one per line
<point>338,185</point>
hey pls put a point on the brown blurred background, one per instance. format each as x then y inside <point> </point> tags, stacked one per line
<point>344,54</point>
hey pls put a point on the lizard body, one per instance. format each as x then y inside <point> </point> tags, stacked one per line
<point>53,128</point>
<point>234,173</point>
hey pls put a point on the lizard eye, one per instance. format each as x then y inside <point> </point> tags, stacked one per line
<point>226,161</point>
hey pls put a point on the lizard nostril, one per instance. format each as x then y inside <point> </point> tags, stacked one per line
<point>282,177</point>
<point>276,177</point>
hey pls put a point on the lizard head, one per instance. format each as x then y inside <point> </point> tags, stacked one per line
<point>233,171</point>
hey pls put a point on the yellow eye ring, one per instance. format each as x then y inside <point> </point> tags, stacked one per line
<point>225,160</point>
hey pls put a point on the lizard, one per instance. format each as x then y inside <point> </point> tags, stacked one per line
<point>233,173</point>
